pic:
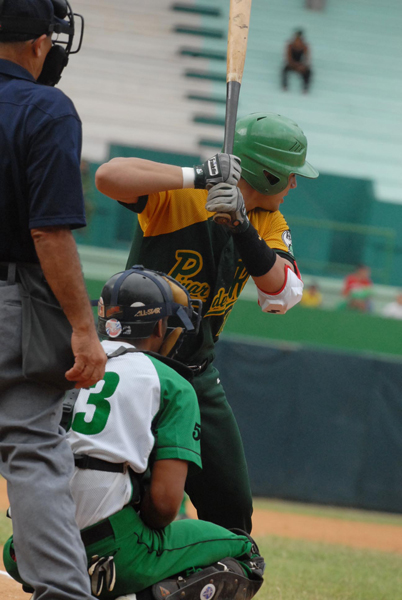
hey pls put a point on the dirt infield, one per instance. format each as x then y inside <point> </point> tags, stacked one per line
<point>387,538</point>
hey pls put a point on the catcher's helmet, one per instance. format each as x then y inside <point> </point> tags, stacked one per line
<point>271,148</point>
<point>133,301</point>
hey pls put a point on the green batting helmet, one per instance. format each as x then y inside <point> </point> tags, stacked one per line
<point>271,148</point>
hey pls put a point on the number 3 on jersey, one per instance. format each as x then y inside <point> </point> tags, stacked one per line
<point>102,407</point>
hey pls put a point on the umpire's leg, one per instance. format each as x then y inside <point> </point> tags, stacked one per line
<point>37,462</point>
<point>221,491</point>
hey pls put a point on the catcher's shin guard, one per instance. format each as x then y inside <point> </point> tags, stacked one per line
<point>224,580</point>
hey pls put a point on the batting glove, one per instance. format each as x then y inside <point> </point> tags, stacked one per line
<point>102,572</point>
<point>221,168</point>
<point>227,200</point>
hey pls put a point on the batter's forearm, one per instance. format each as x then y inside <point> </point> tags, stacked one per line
<point>125,179</point>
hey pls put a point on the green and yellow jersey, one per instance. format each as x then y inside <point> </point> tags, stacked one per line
<point>178,236</point>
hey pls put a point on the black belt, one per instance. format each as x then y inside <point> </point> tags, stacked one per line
<point>97,532</point>
<point>97,464</point>
<point>7,274</point>
<point>198,369</point>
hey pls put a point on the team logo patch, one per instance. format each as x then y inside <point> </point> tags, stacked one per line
<point>101,307</point>
<point>287,238</point>
<point>113,328</point>
<point>126,330</point>
<point>208,592</point>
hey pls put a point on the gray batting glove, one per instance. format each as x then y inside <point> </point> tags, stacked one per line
<point>228,202</point>
<point>102,572</point>
<point>221,168</point>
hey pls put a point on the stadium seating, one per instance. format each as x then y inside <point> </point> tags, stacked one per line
<point>133,78</point>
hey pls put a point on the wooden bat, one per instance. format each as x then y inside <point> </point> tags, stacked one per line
<point>239,20</point>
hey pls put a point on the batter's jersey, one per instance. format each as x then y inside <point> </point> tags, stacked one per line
<point>180,237</point>
<point>141,411</point>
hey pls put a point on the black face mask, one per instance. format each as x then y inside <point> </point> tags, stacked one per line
<point>57,57</point>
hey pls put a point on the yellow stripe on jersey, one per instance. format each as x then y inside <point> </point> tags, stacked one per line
<point>270,226</point>
<point>166,212</point>
<point>173,210</point>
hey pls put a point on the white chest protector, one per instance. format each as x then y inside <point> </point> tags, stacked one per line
<point>289,295</point>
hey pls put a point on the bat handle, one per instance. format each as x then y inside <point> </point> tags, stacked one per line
<point>222,218</point>
<point>232,102</point>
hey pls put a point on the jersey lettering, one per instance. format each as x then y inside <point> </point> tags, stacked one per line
<point>188,264</point>
<point>224,301</point>
<point>102,407</point>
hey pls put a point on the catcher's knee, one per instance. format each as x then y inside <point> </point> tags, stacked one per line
<point>222,580</point>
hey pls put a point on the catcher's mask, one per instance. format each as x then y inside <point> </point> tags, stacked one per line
<point>133,301</point>
<point>22,20</point>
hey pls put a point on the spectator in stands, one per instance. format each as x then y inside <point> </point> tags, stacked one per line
<point>393,310</point>
<point>358,289</point>
<point>297,58</point>
<point>312,296</point>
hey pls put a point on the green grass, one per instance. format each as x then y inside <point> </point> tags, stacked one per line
<point>347,514</point>
<point>304,570</point>
<point>300,570</point>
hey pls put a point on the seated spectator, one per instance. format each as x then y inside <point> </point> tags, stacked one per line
<point>297,59</point>
<point>358,289</point>
<point>393,310</point>
<point>312,296</point>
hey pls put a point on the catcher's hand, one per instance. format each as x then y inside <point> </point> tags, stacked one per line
<point>102,572</point>
<point>221,168</point>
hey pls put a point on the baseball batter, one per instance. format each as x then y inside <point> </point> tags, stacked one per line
<point>178,235</point>
<point>143,415</point>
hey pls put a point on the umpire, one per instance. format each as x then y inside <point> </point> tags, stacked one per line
<point>44,348</point>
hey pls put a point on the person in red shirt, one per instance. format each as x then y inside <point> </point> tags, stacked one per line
<point>357,289</point>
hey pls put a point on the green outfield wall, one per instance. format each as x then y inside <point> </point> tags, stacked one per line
<point>336,329</point>
<point>318,426</point>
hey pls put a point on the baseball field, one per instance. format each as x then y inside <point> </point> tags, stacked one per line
<point>312,552</point>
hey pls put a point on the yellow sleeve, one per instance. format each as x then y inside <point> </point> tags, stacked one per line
<point>273,228</point>
<point>170,211</point>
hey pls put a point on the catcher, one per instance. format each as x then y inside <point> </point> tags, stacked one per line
<point>178,235</point>
<point>134,435</point>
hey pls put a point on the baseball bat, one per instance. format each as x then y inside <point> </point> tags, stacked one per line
<point>239,21</point>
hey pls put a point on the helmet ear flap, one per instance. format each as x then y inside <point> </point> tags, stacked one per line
<point>179,295</point>
<point>171,342</point>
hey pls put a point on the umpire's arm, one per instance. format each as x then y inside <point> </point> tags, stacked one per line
<point>58,256</point>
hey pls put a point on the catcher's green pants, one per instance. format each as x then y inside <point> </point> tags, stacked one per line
<point>221,491</point>
<point>144,556</point>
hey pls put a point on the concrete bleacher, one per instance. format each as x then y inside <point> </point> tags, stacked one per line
<point>127,81</point>
<point>353,113</point>
<point>130,86</point>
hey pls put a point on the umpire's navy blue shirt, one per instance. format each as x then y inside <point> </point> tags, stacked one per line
<point>40,150</point>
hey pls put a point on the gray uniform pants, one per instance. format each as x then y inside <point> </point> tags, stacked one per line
<point>37,462</point>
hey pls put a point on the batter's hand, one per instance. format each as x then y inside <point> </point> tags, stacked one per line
<point>228,200</point>
<point>90,359</point>
<point>221,168</point>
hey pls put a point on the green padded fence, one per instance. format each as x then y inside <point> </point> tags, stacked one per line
<point>317,426</point>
